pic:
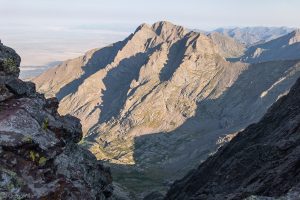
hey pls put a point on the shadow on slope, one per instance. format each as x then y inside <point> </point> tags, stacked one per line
<point>117,85</point>
<point>262,160</point>
<point>98,60</point>
<point>175,57</point>
<point>160,158</point>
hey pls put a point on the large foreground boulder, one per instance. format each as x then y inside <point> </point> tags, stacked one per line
<point>39,157</point>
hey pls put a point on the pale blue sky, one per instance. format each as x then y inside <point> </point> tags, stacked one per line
<point>66,28</point>
<point>205,14</point>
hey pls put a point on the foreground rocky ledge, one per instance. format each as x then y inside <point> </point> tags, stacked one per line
<point>39,157</point>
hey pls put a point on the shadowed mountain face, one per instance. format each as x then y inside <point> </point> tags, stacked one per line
<point>159,102</point>
<point>262,160</point>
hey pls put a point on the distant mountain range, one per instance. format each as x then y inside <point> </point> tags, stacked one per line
<point>286,47</point>
<point>158,103</point>
<point>254,35</point>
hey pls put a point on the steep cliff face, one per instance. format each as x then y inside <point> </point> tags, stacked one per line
<point>39,157</point>
<point>263,160</point>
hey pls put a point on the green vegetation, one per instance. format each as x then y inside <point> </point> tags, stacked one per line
<point>9,66</point>
<point>27,139</point>
<point>42,161</point>
<point>45,124</point>
<point>33,155</point>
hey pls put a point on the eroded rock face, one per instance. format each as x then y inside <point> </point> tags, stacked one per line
<point>260,162</point>
<point>39,157</point>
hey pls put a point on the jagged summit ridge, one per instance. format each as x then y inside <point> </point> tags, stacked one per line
<point>166,30</point>
<point>169,31</point>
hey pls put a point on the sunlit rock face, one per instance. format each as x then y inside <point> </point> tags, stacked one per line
<point>159,102</point>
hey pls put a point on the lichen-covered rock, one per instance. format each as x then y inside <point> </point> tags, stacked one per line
<point>39,157</point>
<point>9,61</point>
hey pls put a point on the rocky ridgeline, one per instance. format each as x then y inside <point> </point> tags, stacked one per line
<point>39,157</point>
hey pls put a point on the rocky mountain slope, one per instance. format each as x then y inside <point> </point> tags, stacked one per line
<point>254,35</point>
<point>157,103</point>
<point>286,47</point>
<point>263,160</point>
<point>228,47</point>
<point>39,157</point>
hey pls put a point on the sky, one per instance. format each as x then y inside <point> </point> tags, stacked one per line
<point>50,30</point>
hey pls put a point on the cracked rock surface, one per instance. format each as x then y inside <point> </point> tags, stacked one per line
<point>39,154</point>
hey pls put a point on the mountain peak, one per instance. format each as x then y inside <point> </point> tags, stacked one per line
<point>168,31</point>
<point>163,24</point>
<point>163,29</point>
<point>295,33</point>
<point>294,37</point>
<point>142,26</point>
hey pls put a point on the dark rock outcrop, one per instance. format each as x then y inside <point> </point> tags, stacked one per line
<point>9,61</point>
<point>39,157</point>
<point>154,195</point>
<point>262,161</point>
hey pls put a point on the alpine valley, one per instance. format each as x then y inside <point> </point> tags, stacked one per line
<point>160,102</point>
